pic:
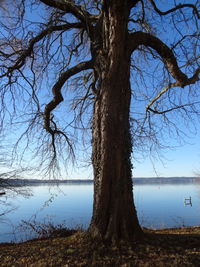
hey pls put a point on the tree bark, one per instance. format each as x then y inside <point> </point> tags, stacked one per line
<point>114,215</point>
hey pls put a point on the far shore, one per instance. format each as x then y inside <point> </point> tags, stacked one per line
<point>139,181</point>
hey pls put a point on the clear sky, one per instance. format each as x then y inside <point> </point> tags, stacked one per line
<point>181,161</point>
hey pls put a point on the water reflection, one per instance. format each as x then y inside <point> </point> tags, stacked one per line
<point>158,205</point>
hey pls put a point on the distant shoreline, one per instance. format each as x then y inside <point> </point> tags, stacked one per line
<point>140,181</point>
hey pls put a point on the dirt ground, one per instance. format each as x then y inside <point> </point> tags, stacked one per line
<point>166,247</point>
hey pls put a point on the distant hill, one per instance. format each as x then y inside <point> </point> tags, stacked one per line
<point>141,181</point>
<point>166,180</point>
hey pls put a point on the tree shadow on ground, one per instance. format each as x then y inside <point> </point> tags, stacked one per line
<point>168,247</point>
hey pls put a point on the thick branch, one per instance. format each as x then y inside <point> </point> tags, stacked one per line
<point>57,96</point>
<point>146,39</point>
<point>69,7</point>
<point>27,52</point>
<point>162,92</point>
<point>133,3</point>
<point>155,111</point>
<point>180,6</point>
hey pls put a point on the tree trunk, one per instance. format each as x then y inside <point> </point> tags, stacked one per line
<point>114,215</point>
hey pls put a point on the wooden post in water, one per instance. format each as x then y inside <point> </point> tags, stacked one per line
<point>188,201</point>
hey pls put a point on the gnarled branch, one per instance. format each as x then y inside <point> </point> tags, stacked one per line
<point>179,6</point>
<point>155,111</point>
<point>58,98</point>
<point>69,7</point>
<point>133,3</point>
<point>21,60</point>
<point>167,55</point>
<point>162,92</point>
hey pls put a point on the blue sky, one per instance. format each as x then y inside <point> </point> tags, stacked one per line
<point>176,162</point>
<point>180,161</point>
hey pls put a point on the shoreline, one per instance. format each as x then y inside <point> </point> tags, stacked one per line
<point>172,230</point>
<point>139,181</point>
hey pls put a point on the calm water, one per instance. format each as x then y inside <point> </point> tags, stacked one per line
<point>157,206</point>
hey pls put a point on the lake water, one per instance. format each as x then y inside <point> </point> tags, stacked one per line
<point>158,206</point>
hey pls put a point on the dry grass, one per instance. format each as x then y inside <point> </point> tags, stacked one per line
<point>166,247</point>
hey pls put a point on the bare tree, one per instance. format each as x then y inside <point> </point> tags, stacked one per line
<point>121,67</point>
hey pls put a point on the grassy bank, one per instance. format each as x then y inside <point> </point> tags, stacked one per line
<point>166,247</point>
